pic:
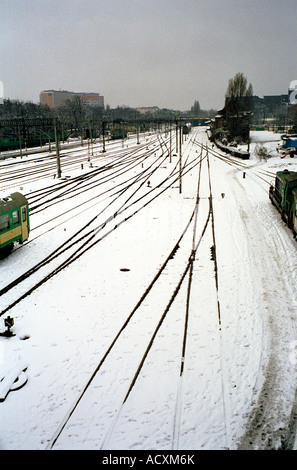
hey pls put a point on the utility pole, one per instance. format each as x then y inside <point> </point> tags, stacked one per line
<point>103,135</point>
<point>63,135</point>
<point>57,149</point>
<point>180,158</point>
<point>170,150</point>
<point>90,140</point>
<point>137,130</point>
<point>249,136</point>
<point>20,141</point>
<point>88,137</point>
<point>91,134</point>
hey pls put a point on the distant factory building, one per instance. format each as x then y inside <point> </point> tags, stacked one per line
<point>272,101</point>
<point>55,98</point>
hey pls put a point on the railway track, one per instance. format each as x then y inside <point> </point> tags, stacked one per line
<point>88,235</point>
<point>186,247</point>
<point>271,424</point>
<point>135,196</point>
<point>114,391</point>
<point>243,166</point>
<point>34,169</point>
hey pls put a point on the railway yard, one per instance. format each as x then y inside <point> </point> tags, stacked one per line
<point>154,302</point>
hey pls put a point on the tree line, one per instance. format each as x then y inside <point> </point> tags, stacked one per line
<point>75,116</point>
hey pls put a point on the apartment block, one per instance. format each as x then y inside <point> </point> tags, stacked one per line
<point>55,98</point>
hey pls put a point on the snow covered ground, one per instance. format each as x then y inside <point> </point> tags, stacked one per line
<point>238,386</point>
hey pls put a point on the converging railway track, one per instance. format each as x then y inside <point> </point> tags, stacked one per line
<point>124,201</point>
<point>271,424</point>
<point>171,364</point>
<point>33,169</point>
<point>186,248</point>
<point>88,235</point>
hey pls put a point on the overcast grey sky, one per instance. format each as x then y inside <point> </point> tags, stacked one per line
<point>164,53</point>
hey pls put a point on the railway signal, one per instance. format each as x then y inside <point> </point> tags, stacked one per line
<point>8,323</point>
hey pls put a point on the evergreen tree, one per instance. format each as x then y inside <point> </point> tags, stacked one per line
<point>195,110</point>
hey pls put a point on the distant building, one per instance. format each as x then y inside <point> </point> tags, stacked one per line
<point>93,99</point>
<point>257,101</point>
<point>273,101</point>
<point>149,110</point>
<point>230,125</point>
<point>55,98</point>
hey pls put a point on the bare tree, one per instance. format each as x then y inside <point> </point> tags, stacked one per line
<point>239,94</point>
<point>74,112</point>
<point>238,101</point>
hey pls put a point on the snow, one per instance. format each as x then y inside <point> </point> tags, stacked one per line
<point>237,390</point>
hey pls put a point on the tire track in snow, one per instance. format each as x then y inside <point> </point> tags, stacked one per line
<point>273,414</point>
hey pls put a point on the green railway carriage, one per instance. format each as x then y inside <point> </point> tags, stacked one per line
<point>283,196</point>
<point>14,143</point>
<point>14,219</point>
<point>11,143</point>
<point>295,213</point>
<point>118,134</point>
